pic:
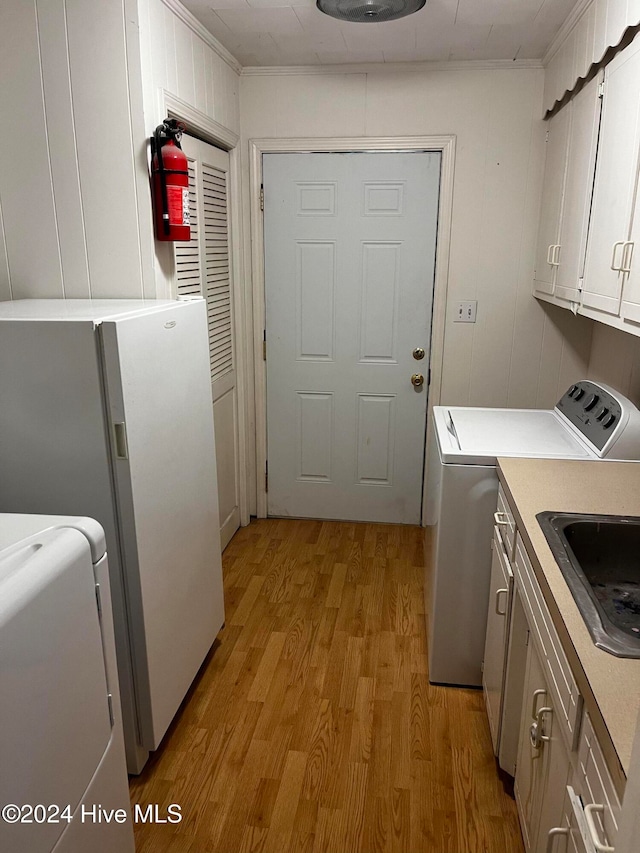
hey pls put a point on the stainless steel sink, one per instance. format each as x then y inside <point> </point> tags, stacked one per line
<point>599,556</point>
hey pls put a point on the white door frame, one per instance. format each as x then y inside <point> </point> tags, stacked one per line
<point>211,131</point>
<point>258,147</point>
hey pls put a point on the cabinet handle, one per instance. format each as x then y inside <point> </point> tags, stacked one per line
<point>500,518</point>
<point>613,256</point>
<point>552,835</point>
<point>534,702</point>
<point>555,257</point>
<point>627,256</point>
<point>550,253</point>
<point>539,716</point>
<point>499,592</point>
<point>588,813</point>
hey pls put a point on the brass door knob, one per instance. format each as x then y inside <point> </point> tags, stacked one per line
<point>417,380</point>
<point>418,353</point>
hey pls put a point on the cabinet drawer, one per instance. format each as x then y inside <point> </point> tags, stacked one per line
<point>506,524</point>
<point>564,690</point>
<point>596,785</point>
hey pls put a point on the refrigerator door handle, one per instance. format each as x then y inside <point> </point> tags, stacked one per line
<point>120,436</point>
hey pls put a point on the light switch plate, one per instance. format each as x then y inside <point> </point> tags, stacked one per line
<point>466,312</point>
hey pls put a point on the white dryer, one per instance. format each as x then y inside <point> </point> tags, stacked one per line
<point>590,422</point>
<point>63,778</point>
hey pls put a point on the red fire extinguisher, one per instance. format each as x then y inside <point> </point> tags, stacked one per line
<point>170,182</point>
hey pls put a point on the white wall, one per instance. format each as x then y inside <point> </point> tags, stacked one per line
<point>518,353</point>
<point>181,58</point>
<point>615,360</point>
<point>70,99</point>
<point>82,83</point>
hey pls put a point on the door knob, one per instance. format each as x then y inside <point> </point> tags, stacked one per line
<point>418,353</point>
<point>417,380</point>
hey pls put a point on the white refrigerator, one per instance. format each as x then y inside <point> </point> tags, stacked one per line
<point>106,412</point>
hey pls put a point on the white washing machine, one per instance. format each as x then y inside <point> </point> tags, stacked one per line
<point>589,422</point>
<point>63,777</point>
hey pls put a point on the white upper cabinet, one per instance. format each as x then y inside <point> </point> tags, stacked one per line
<point>609,252</point>
<point>551,208</point>
<point>566,197</point>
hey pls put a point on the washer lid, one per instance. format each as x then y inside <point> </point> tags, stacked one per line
<point>470,436</point>
<point>17,526</point>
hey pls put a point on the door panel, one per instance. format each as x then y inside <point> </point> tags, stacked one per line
<point>493,671</point>
<point>349,270</point>
<point>202,267</point>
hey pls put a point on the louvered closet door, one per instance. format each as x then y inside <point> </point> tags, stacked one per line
<point>202,267</point>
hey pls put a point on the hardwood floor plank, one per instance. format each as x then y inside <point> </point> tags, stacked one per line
<point>312,726</point>
<point>338,576</point>
<point>267,668</point>
<point>247,601</point>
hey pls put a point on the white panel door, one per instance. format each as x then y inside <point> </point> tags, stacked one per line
<point>349,270</point>
<point>202,267</point>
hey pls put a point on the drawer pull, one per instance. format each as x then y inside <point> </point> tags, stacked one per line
<point>588,813</point>
<point>499,592</point>
<point>540,722</point>
<point>613,256</point>
<point>534,702</point>
<point>500,518</point>
<point>552,835</point>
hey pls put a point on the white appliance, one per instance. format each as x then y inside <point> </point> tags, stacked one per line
<point>61,744</point>
<point>106,412</point>
<point>590,421</point>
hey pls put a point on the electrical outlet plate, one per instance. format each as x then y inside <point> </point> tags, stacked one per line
<point>466,312</point>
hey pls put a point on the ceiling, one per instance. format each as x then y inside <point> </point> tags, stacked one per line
<point>295,32</point>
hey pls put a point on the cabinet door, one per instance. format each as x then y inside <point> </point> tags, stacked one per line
<point>543,763</point>
<point>551,207</point>
<point>533,762</point>
<point>581,164</point>
<point>614,184</point>
<point>495,642</point>
<point>555,783</point>
<point>630,311</point>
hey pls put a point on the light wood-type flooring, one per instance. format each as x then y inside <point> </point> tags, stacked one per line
<point>312,725</point>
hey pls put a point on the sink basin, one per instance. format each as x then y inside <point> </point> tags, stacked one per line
<point>599,556</point>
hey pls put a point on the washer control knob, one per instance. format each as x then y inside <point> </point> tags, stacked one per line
<point>572,390</point>
<point>603,411</point>
<point>609,421</point>
<point>591,402</point>
<point>579,394</point>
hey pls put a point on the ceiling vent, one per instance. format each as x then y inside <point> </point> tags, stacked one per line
<point>369,11</point>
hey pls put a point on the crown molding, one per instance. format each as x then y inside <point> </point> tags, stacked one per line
<point>202,32</point>
<point>561,36</point>
<point>392,67</point>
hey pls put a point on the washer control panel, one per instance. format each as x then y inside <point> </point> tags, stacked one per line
<point>593,410</point>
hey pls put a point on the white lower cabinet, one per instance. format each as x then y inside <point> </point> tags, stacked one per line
<point>566,799</point>
<point>543,760</point>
